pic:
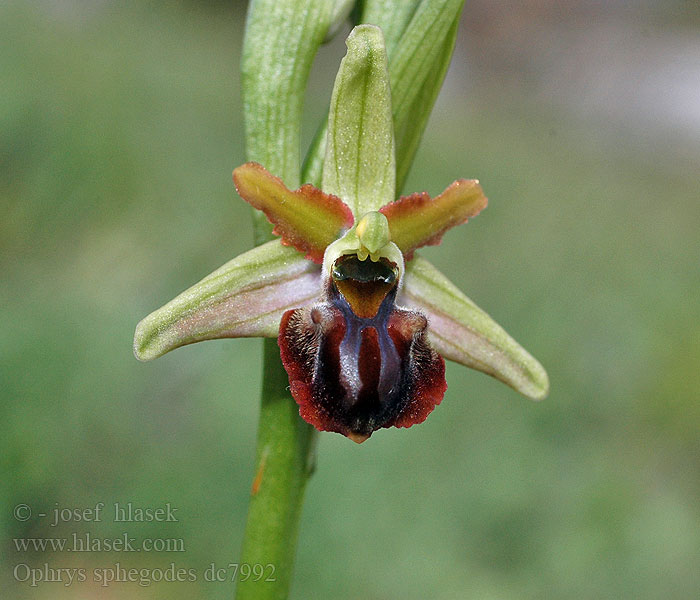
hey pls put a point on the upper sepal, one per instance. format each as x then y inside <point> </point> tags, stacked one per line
<point>462,332</point>
<point>244,298</point>
<point>419,220</point>
<point>359,164</point>
<point>306,219</point>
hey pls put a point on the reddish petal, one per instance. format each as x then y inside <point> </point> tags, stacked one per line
<point>419,220</point>
<point>307,219</point>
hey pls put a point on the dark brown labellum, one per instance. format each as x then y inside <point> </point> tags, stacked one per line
<point>356,362</point>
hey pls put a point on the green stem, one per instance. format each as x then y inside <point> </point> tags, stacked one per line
<point>283,463</point>
<point>284,460</point>
<point>282,38</point>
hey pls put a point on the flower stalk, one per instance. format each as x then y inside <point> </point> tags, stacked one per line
<point>283,463</point>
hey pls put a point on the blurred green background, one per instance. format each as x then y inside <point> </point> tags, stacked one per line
<point>120,123</point>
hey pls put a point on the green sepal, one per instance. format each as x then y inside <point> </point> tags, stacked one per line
<point>246,297</point>
<point>462,332</point>
<point>359,163</point>
<point>420,40</point>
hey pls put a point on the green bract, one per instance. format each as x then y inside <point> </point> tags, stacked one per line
<point>282,38</point>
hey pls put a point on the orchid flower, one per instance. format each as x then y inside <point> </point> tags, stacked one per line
<point>363,323</point>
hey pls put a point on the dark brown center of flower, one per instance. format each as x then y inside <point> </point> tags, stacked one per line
<point>356,361</point>
<point>364,283</point>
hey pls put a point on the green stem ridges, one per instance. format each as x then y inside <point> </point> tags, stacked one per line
<point>283,463</point>
<point>281,41</point>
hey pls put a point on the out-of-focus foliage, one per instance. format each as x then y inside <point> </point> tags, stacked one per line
<point>119,127</point>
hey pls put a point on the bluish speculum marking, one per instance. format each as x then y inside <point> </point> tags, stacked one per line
<point>364,292</point>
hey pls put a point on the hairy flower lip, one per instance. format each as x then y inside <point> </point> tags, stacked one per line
<point>354,375</point>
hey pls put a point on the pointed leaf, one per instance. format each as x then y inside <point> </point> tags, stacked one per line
<point>419,220</point>
<point>461,331</point>
<point>244,298</point>
<point>306,219</point>
<point>418,68</point>
<point>359,163</point>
